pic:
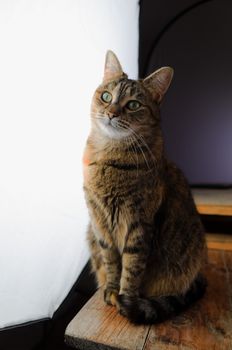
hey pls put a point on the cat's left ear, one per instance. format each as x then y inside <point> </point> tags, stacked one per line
<point>113,67</point>
<point>158,82</point>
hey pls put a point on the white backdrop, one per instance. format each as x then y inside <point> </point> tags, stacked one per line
<point>51,60</point>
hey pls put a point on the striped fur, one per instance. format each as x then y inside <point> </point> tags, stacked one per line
<point>145,236</point>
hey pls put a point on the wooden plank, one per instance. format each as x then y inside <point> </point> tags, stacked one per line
<point>208,324</point>
<point>208,209</point>
<point>99,326</point>
<point>213,201</point>
<point>219,241</point>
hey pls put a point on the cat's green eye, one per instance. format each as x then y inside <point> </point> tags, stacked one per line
<point>133,105</point>
<point>106,97</point>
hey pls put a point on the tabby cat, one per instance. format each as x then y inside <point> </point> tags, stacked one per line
<point>146,239</point>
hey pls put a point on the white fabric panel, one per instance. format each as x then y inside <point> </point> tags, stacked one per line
<point>51,60</point>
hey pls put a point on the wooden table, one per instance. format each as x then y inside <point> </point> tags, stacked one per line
<point>207,325</point>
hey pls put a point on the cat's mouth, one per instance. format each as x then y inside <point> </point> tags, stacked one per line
<point>116,123</point>
<point>113,127</point>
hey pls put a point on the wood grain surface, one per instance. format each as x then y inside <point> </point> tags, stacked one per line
<point>98,326</point>
<point>207,325</point>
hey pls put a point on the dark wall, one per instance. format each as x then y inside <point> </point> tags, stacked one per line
<point>194,37</point>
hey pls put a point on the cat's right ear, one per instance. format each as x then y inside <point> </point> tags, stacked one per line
<point>113,67</point>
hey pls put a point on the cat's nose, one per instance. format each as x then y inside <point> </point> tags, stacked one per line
<point>114,111</point>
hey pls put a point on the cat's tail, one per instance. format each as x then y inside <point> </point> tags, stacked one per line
<point>154,310</point>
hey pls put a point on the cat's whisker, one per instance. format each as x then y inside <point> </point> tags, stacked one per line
<point>128,145</point>
<point>129,142</point>
<point>145,144</point>
<point>136,140</point>
<point>136,137</point>
<point>134,152</point>
<point>97,115</point>
<point>143,154</point>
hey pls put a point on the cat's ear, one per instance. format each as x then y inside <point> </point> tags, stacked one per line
<point>158,82</point>
<point>113,67</point>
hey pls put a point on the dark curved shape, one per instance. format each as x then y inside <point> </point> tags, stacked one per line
<point>145,62</point>
<point>194,38</point>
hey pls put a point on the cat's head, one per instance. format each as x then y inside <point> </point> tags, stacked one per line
<point>122,107</point>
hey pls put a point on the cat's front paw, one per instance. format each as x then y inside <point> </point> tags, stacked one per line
<point>111,296</point>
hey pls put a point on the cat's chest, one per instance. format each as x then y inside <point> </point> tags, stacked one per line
<point>110,219</point>
<point>117,225</point>
<point>111,172</point>
<point>105,180</point>
<point>109,212</point>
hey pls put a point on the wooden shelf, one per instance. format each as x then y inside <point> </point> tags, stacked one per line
<point>206,325</point>
<point>213,201</point>
<point>219,241</point>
